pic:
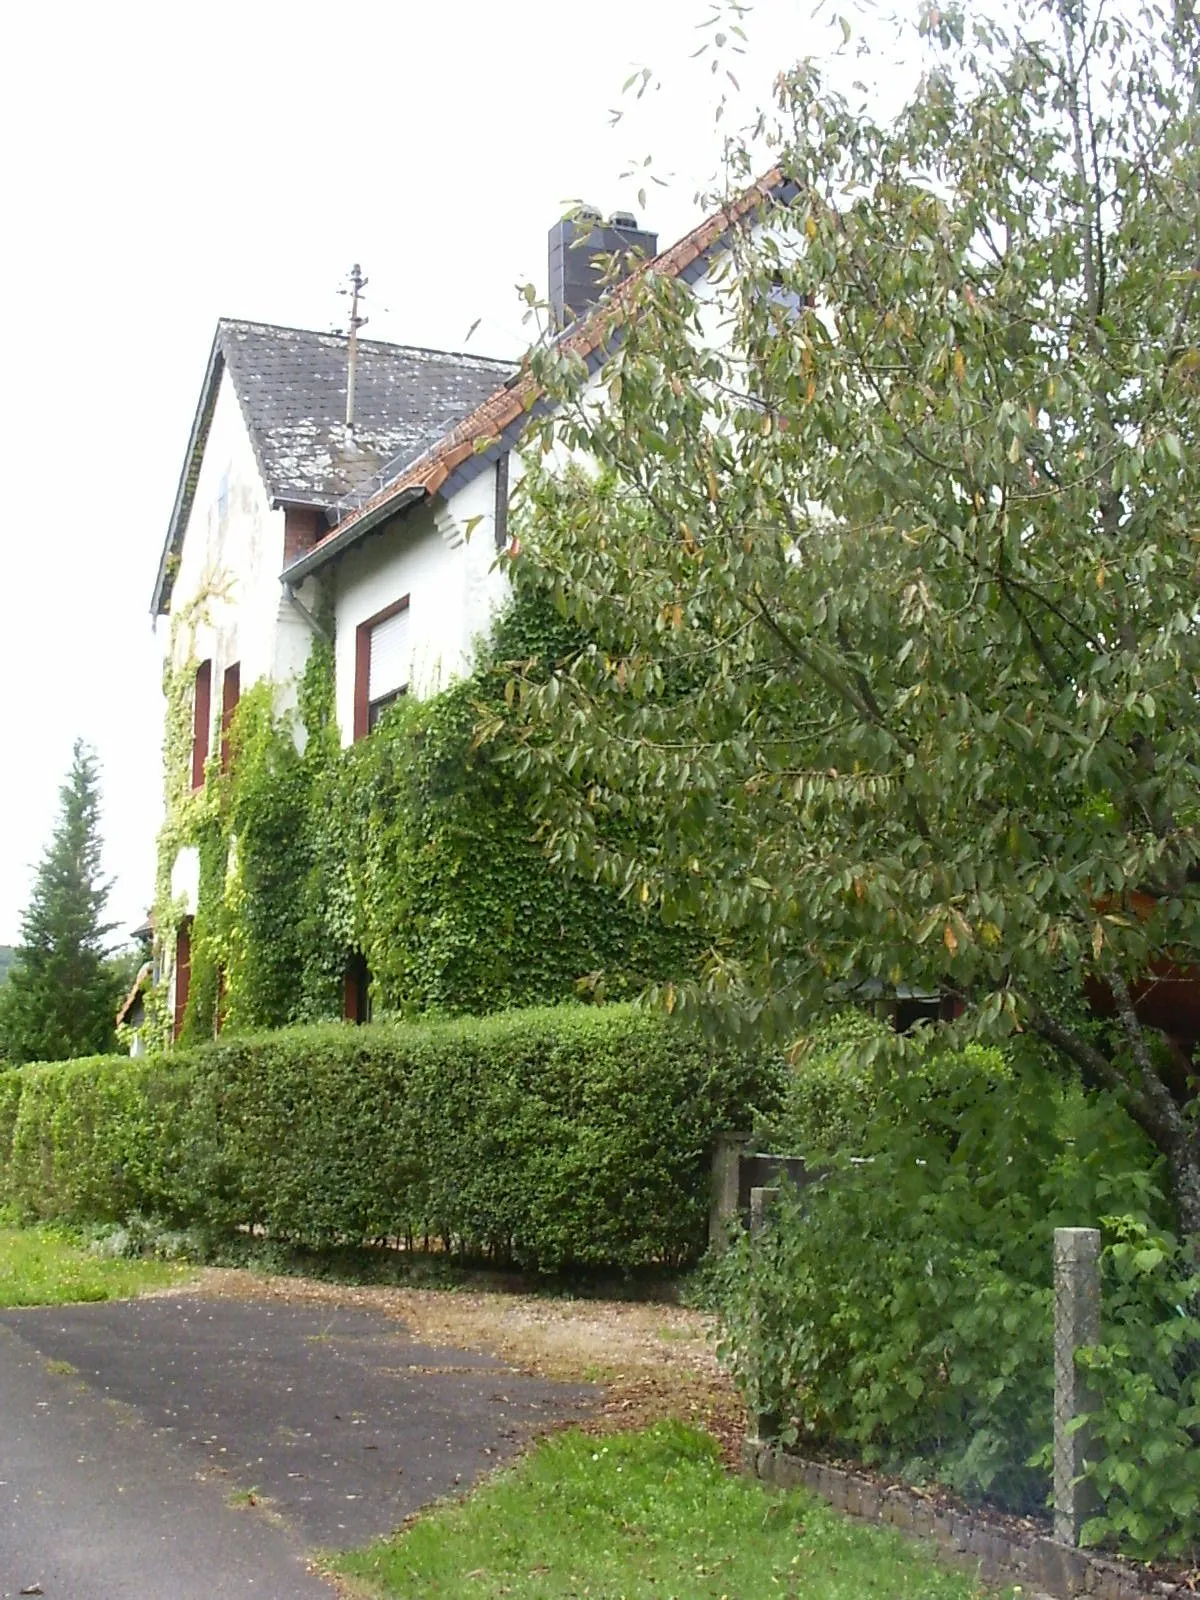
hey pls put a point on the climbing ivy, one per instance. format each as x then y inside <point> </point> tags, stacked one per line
<point>191,818</point>
<point>414,848</point>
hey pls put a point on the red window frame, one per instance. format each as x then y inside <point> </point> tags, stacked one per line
<point>201,721</point>
<point>183,973</point>
<point>231,693</point>
<point>362,665</point>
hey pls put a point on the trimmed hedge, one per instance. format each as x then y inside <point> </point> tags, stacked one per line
<point>562,1136</point>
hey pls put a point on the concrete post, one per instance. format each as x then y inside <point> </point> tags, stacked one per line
<point>1076,1324</point>
<point>723,1207</point>
<point>762,1203</point>
<point>766,1424</point>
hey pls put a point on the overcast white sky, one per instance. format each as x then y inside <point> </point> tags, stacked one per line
<point>166,165</point>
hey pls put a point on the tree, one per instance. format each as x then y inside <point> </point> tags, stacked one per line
<point>61,995</point>
<point>892,586</point>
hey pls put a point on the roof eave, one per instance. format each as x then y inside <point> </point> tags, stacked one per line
<point>185,492</point>
<point>341,540</point>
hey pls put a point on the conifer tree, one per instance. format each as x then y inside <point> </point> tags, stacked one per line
<point>60,997</point>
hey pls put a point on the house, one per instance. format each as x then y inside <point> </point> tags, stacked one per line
<point>271,462</point>
<point>378,528</point>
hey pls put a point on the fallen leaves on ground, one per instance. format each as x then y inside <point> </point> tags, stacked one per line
<point>654,1360</point>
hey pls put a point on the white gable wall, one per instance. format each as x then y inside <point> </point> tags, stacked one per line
<point>227,591</point>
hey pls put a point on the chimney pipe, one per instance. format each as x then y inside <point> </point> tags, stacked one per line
<point>577,245</point>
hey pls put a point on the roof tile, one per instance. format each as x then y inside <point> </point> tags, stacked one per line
<point>291,384</point>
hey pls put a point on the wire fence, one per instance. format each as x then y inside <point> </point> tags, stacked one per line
<point>1161,1366</point>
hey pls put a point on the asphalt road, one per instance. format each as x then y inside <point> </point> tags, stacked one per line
<point>135,1434</point>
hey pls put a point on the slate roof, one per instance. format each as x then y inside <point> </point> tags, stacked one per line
<point>497,421</point>
<point>291,386</point>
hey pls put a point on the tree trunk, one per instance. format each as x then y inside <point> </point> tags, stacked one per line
<point>1183,1164</point>
<point>1147,1099</point>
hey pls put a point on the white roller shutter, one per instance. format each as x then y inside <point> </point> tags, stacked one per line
<point>391,656</point>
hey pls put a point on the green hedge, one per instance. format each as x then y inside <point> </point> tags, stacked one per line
<point>566,1136</point>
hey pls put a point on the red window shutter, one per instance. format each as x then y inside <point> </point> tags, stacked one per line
<point>201,721</point>
<point>350,1001</point>
<point>183,973</point>
<point>231,693</point>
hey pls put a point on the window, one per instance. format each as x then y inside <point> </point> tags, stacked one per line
<point>201,721</point>
<point>183,973</point>
<point>356,990</point>
<point>382,658</point>
<point>231,693</point>
<point>788,302</point>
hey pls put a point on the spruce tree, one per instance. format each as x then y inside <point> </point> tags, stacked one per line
<point>60,997</point>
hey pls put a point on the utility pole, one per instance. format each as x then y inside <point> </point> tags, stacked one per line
<point>357,284</point>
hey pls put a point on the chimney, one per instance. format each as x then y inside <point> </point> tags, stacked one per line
<point>577,245</point>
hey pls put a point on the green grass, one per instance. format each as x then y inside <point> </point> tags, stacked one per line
<point>644,1516</point>
<point>45,1267</point>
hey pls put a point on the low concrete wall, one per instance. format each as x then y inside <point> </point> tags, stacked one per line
<point>1040,1565</point>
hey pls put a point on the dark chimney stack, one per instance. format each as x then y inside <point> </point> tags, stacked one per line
<point>578,244</point>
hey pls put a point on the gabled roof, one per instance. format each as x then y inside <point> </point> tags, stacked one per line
<point>291,387</point>
<point>496,423</point>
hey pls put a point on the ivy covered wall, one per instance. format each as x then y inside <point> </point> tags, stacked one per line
<point>413,848</point>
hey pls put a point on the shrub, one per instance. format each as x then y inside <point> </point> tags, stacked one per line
<point>570,1136</point>
<point>927,1347</point>
<point>1146,1376</point>
<point>844,1073</point>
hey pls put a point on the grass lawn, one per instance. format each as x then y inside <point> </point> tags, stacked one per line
<point>643,1516</point>
<point>44,1267</point>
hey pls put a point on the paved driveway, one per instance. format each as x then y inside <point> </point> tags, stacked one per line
<point>132,1432</point>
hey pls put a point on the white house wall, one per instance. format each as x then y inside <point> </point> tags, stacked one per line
<point>185,880</point>
<point>449,576</point>
<point>229,568</point>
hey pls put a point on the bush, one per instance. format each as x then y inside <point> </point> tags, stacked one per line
<point>927,1347</point>
<point>844,1076</point>
<point>571,1136</point>
<point>1146,1376</point>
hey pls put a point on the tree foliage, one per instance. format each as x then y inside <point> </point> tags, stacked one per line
<point>889,564</point>
<point>61,995</point>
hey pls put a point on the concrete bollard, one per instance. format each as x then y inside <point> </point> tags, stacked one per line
<point>1076,1324</point>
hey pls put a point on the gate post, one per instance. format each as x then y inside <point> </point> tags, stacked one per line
<point>763,1200</point>
<point>1076,1324</point>
<point>726,1175</point>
